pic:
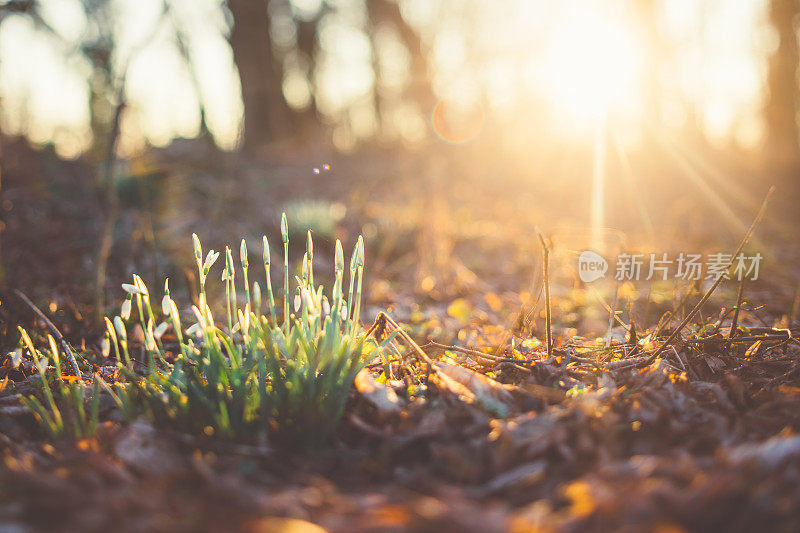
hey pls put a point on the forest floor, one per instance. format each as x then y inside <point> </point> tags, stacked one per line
<point>481,431</point>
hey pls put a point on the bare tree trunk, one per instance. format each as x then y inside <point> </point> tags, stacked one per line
<point>266,114</point>
<point>2,222</point>
<point>100,111</point>
<point>308,46</point>
<point>420,89</point>
<point>186,54</point>
<point>780,111</point>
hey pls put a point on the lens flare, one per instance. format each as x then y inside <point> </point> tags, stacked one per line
<point>457,119</point>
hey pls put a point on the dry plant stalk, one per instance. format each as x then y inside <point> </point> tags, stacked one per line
<point>547,310</point>
<point>710,291</point>
<point>735,319</point>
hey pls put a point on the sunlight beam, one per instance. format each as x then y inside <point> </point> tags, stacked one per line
<point>597,208</point>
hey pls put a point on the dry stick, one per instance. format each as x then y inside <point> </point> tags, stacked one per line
<point>745,338</point>
<point>613,313</point>
<point>735,319</point>
<point>548,315</point>
<point>482,357</point>
<point>466,351</point>
<point>607,307</point>
<point>522,316</point>
<point>713,287</point>
<point>56,333</point>
<point>383,320</point>
<point>647,304</point>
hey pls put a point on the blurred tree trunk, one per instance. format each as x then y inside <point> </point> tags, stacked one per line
<point>98,47</point>
<point>266,114</point>
<point>308,46</point>
<point>2,217</point>
<point>101,109</point>
<point>781,109</point>
<point>183,47</point>
<point>419,88</point>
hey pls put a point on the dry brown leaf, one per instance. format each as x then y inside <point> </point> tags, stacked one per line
<point>378,394</point>
<point>519,477</point>
<point>752,351</point>
<point>715,363</point>
<point>475,388</point>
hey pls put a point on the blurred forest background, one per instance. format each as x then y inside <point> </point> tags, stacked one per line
<point>424,124</point>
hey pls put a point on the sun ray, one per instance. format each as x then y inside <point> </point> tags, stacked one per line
<point>697,179</point>
<point>633,183</point>
<point>597,209</point>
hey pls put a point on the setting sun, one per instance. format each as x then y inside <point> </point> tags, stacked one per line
<point>592,65</point>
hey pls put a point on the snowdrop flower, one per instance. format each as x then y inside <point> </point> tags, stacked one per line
<point>308,301</point>
<point>284,228</point>
<point>195,330</point>
<point>198,250</point>
<point>105,345</point>
<point>256,297</point>
<point>243,254</point>
<point>125,310</point>
<point>160,330</point>
<point>131,289</point>
<point>120,327</point>
<point>165,301</point>
<point>137,281</point>
<point>339,257</point>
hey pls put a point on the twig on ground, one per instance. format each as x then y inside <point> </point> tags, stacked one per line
<point>384,322</point>
<point>612,314</point>
<point>56,333</point>
<point>735,319</point>
<point>716,283</point>
<point>481,355</point>
<point>607,307</point>
<point>467,351</point>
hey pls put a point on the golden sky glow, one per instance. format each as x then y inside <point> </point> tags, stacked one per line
<point>581,56</point>
<point>593,66</point>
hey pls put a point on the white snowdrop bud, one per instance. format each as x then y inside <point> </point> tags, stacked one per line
<point>105,345</point>
<point>308,301</point>
<point>120,327</point>
<point>198,250</point>
<point>243,254</point>
<point>125,310</point>
<point>160,330</point>
<point>339,257</point>
<point>256,298</point>
<point>284,228</point>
